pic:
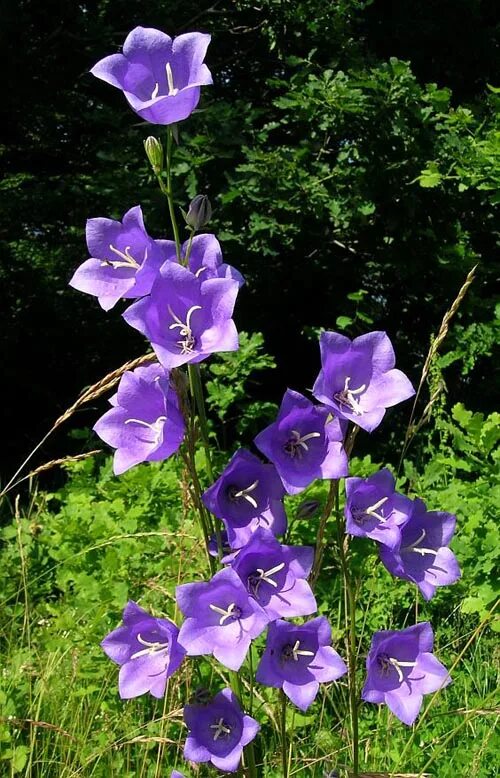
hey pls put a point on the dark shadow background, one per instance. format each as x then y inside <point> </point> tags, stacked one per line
<point>71,149</point>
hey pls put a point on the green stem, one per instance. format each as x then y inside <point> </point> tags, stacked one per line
<point>284,740</point>
<point>168,192</point>
<point>350,601</point>
<point>197,391</point>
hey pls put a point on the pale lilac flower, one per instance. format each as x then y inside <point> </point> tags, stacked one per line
<point>160,77</point>
<point>147,650</point>
<point>176,774</point>
<point>358,379</point>
<point>401,668</point>
<point>423,555</point>
<point>221,618</point>
<point>186,319</point>
<point>298,658</point>
<point>218,731</point>
<point>248,494</point>
<point>303,444</point>
<point>373,508</point>
<point>145,423</point>
<point>275,575</point>
<point>124,259</point>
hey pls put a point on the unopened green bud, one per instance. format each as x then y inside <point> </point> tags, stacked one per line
<point>154,152</point>
<point>199,213</point>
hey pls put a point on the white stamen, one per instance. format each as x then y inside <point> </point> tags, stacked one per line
<point>348,397</point>
<point>185,332</point>
<point>220,729</point>
<point>155,91</point>
<point>127,260</point>
<point>155,427</point>
<point>151,648</point>
<point>225,614</point>
<point>372,510</point>
<point>297,651</point>
<point>245,493</point>
<point>265,575</point>
<point>417,549</point>
<point>398,665</point>
<point>172,91</point>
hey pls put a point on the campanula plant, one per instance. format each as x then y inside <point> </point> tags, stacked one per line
<point>259,587</point>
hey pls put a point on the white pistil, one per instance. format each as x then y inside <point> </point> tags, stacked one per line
<point>220,729</point>
<point>155,91</point>
<point>225,614</point>
<point>372,510</point>
<point>417,549</point>
<point>151,648</point>
<point>297,651</point>
<point>348,396</point>
<point>185,332</point>
<point>264,576</point>
<point>296,440</point>
<point>245,493</point>
<point>398,665</point>
<point>172,91</point>
<point>155,427</point>
<point>126,258</point>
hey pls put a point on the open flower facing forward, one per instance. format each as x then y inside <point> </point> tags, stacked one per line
<point>124,259</point>
<point>248,494</point>
<point>298,658</point>
<point>218,731</point>
<point>186,319</point>
<point>275,575</point>
<point>145,423</point>
<point>160,77</point>
<point>302,445</point>
<point>221,618</point>
<point>373,508</point>
<point>147,650</point>
<point>358,379</point>
<point>423,555</point>
<point>401,668</point>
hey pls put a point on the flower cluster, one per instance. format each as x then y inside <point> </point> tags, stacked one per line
<point>184,297</point>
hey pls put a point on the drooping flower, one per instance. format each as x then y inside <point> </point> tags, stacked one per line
<point>248,494</point>
<point>124,259</point>
<point>160,77</point>
<point>186,319</point>
<point>147,650</point>
<point>298,658</point>
<point>221,618</point>
<point>302,444</point>
<point>358,379</point>
<point>218,731</point>
<point>275,575</point>
<point>401,668</point>
<point>145,423</point>
<point>373,508</point>
<point>423,555</point>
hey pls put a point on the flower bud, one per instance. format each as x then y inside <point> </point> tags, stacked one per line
<point>199,213</point>
<point>307,509</point>
<point>154,152</point>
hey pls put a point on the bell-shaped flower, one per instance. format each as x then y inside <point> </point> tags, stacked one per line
<point>248,494</point>
<point>221,618</point>
<point>147,650</point>
<point>186,319</point>
<point>218,731</point>
<point>275,575</point>
<point>358,379</point>
<point>303,443</point>
<point>203,257</point>
<point>160,77</point>
<point>401,668</point>
<point>124,259</point>
<point>298,658</point>
<point>423,555</point>
<point>145,423</point>
<point>373,509</point>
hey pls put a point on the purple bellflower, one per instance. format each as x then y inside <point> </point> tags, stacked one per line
<point>205,259</point>
<point>124,259</point>
<point>358,379</point>
<point>373,508</point>
<point>147,650</point>
<point>423,555</point>
<point>248,494</point>
<point>160,77</point>
<point>218,731</point>
<point>186,319</point>
<point>145,423</point>
<point>275,575</point>
<point>221,618</point>
<point>176,774</point>
<point>302,445</point>
<point>401,668</point>
<point>298,658</point>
